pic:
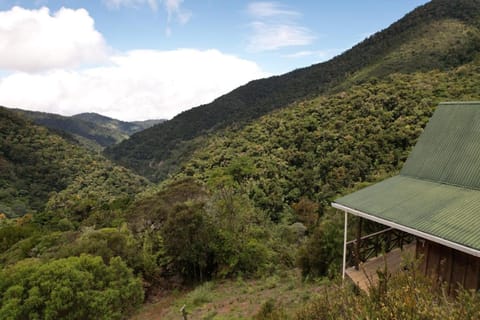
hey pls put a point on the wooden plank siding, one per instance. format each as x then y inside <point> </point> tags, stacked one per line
<point>444,264</point>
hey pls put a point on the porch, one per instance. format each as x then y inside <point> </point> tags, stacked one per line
<point>366,275</point>
<point>381,250</point>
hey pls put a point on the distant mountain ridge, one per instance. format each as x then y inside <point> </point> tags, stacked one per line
<point>92,130</point>
<point>437,36</point>
<point>128,128</point>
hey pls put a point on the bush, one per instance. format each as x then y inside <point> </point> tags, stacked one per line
<point>270,311</point>
<point>73,288</point>
<point>403,296</point>
<point>320,256</point>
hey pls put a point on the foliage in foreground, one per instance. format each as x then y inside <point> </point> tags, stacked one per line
<point>73,288</point>
<point>407,295</point>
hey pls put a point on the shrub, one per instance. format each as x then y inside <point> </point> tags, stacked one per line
<point>73,288</point>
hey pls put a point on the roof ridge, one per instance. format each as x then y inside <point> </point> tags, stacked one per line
<point>439,182</point>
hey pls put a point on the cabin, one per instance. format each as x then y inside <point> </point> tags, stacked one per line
<point>431,208</point>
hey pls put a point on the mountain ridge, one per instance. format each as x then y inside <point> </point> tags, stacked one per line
<point>92,130</point>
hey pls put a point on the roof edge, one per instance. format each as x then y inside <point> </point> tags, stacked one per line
<point>459,102</point>
<point>445,242</point>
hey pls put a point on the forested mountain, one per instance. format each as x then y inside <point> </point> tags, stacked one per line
<point>439,35</point>
<point>39,167</point>
<point>90,129</point>
<point>319,148</point>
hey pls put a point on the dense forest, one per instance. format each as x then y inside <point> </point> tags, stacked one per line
<point>84,238</point>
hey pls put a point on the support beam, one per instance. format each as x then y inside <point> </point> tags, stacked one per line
<point>345,246</point>
<point>358,243</point>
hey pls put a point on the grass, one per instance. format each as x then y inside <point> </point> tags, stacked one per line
<point>235,299</point>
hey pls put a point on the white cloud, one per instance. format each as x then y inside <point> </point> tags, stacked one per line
<point>300,54</point>
<point>274,36</point>
<point>174,9</point>
<point>274,26</point>
<point>136,85</point>
<point>35,40</point>
<point>115,4</point>
<point>269,9</point>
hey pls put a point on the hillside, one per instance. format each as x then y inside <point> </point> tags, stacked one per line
<point>439,35</point>
<point>317,149</point>
<point>39,166</point>
<point>92,130</point>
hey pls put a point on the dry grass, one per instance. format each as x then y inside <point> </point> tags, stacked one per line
<point>233,299</point>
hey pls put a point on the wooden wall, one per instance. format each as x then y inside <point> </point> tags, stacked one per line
<point>449,265</point>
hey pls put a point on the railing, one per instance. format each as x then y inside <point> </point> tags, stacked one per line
<point>375,244</point>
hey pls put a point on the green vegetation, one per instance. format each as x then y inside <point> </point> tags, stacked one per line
<point>206,234</point>
<point>440,35</point>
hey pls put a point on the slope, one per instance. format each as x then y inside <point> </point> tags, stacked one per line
<point>439,35</point>
<point>39,166</point>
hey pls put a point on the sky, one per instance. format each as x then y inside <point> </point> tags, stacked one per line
<point>152,59</point>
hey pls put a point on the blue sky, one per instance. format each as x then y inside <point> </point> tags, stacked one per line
<point>139,59</point>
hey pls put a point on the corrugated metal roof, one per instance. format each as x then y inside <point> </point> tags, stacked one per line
<point>438,189</point>
<point>448,151</point>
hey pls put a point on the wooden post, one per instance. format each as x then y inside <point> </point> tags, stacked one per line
<point>184,312</point>
<point>478,273</point>
<point>344,246</point>
<point>358,244</point>
<point>388,241</point>
<point>450,276</point>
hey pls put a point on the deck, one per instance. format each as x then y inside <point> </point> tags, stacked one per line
<point>366,275</point>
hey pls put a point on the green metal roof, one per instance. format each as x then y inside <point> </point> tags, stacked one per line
<point>448,151</point>
<point>437,194</point>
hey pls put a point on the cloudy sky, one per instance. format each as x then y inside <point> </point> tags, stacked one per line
<point>145,59</point>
